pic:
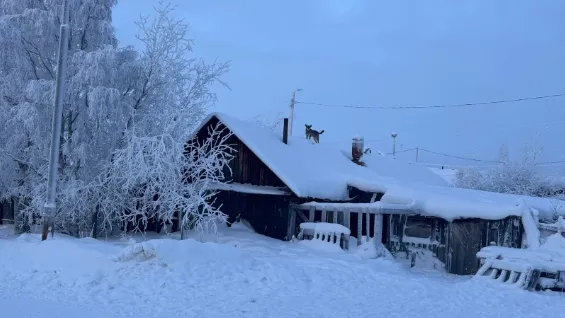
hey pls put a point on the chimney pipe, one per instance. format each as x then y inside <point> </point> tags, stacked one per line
<point>285,130</point>
<point>357,149</point>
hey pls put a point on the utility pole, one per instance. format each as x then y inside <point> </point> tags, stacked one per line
<point>50,206</point>
<point>291,117</point>
<point>393,135</point>
<point>417,151</point>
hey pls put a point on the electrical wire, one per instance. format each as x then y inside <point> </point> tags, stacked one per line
<point>436,106</point>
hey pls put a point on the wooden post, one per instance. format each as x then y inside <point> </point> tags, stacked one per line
<point>312,214</point>
<point>347,219</point>
<point>368,226</point>
<point>285,131</point>
<point>378,228</point>
<point>335,216</point>
<point>324,216</point>
<point>347,224</point>
<point>359,227</point>
<point>291,224</point>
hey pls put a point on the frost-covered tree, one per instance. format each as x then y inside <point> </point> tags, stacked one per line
<point>272,123</point>
<point>30,32</point>
<point>119,103</point>
<point>508,176</point>
<point>161,178</point>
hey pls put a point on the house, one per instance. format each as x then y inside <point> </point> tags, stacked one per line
<point>277,182</point>
<point>267,176</point>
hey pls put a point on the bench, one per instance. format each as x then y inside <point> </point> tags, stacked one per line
<point>331,233</point>
<point>523,268</point>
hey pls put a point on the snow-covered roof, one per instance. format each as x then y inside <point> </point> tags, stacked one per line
<point>324,172</point>
<point>447,174</point>
<point>455,203</point>
<point>389,167</point>
<point>309,170</point>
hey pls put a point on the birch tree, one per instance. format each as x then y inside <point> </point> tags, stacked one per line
<point>119,102</point>
<point>169,93</point>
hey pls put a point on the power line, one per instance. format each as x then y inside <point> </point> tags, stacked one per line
<point>435,106</point>
<point>458,157</point>
<point>446,155</point>
<point>451,166</point>
<point>401,151</point>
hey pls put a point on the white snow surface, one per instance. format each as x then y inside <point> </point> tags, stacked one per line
<point>237,274</point>
<point>325,227</point>
<point>325,172</point>
<point>387,166</point>
<point>447,174</point>
<point>247,188</point>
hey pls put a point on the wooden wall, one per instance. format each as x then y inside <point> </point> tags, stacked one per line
<point>245,167</point>
<point>455,243</point>
<point>268,214</point>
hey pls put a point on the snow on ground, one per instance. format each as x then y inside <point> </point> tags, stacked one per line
<point>237,274</point>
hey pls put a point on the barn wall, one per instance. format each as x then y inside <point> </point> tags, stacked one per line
<point>456,243</point>
<point>267,214</point>
<point>245,167</point>
<point>466,238</point>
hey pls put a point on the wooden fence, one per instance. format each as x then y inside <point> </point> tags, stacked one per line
<point>340,214</point>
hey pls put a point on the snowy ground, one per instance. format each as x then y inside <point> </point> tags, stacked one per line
<point>241,274</point>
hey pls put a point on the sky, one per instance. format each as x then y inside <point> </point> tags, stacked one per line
<point>389,53</point>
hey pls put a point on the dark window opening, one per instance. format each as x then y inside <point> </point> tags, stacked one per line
<point>418,227</point>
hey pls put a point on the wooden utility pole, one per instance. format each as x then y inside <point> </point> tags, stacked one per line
<point>417,150</point>
<point>394,135</point>
<point>291,115</point>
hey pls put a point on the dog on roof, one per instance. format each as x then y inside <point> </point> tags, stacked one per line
<point>313,134</point>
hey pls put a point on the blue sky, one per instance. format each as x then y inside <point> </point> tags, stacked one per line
<point>389,53</point>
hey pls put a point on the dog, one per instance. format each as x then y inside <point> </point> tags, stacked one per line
<point>313,134</point>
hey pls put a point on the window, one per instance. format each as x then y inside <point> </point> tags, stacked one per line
<point>419,227</point>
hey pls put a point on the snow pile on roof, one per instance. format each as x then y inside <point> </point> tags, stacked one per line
<point>455,203</point>
<point>316,171</point>
<point>389,167</point>
<point>447,174</point>
<point>554,243</point>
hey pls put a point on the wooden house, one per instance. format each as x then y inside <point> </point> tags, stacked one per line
<point>278,182</point>
<point>267,176</point>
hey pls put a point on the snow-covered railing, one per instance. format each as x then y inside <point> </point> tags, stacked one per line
<point>371,208</point>
<point>340,213</point>
<point>557,227</point>
<point>335,234</point>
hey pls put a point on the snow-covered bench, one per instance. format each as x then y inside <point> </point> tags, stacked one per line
<point>327,232</point>
<point>524,268</point>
